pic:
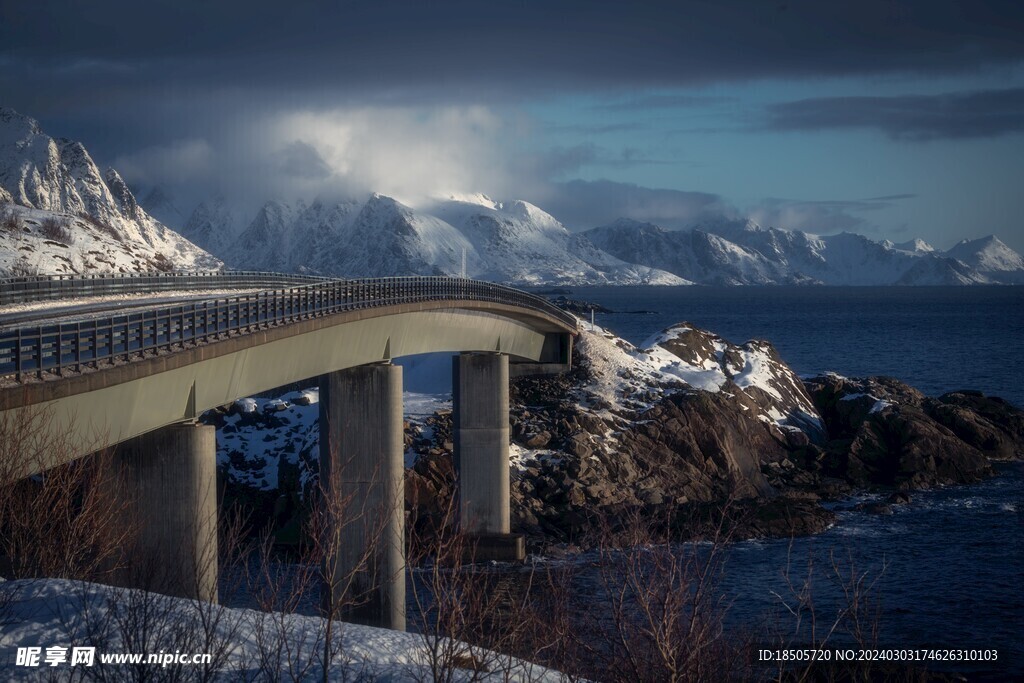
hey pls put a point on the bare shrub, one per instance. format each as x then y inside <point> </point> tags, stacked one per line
<point>283,585</point>
<point>53,228</point>
<point>473,620</point>
<point>22,268</point>
<point>61,522</point>
<point>10,220</point>
<point>853,619</point>
<point>161,263</point>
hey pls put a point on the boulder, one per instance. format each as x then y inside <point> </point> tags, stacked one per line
<point>704,443</point>
<point>990,424</point>
<point>905,448</point>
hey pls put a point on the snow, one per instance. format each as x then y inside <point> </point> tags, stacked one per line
<point>991,257</point>
<point>245,405</point>
<point>60,613</point>
<point>379,236</point>
<point>879,404</point>
<point>636,378</point>
<point>261,436</point>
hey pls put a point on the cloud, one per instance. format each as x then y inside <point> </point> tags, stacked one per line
<point>978,114</point>
<point>302,160</point>
<point>661,101</point>
<point>462,50</point>
<point>582,204</point>
<point>598,129</point>
<point>410,153</point>
<point>559,161</point>
<point>821,216</point>
<point>182,161</point>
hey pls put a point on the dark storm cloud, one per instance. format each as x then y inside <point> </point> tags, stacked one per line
<point>979,114</point>
<point>582,204</point>
<point>122,52</point>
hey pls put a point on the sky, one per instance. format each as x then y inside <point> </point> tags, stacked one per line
<point>891,119</point>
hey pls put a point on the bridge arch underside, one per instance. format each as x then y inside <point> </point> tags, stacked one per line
<point>103,407</point>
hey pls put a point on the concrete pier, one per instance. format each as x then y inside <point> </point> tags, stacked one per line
<point>480,423</point>
<point>362,471</point>
<point>168,480</point>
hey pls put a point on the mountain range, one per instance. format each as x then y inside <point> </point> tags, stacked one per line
<point>519,243</point>
<point>59,213</point>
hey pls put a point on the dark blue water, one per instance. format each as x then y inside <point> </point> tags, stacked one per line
<point>936,338</point>
<point>949,566</point>
<point>946,571</point>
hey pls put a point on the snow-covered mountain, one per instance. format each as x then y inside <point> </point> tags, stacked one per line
<point>742,252</point>
<point>990,257</point>
<point>519,242</point>
<point>60,214</point>
<point>379,236</point>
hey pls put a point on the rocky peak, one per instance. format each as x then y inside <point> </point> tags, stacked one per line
<point>16,128</point>
<point>122,194</point>
<point>754,369</point>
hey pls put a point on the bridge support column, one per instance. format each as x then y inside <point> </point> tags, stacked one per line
<point>169,481</point>
<point>480,397</point>
<point>362,471</point>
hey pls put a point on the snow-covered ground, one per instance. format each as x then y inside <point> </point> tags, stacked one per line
<point>244,645</point>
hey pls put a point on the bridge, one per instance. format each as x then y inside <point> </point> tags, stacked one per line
<point>130,362</point>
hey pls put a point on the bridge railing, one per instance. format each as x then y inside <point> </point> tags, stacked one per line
<point>72,346</point>
<point>21,290</point>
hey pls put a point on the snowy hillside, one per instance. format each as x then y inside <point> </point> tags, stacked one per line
<point>742,252</point>
<point>242,644</point>
<point>60,214</point>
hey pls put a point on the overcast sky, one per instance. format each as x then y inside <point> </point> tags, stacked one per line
<point>893,119</point>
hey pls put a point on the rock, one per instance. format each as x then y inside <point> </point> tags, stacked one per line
<point>899,498</point>
<point>773,388</point>
<point>990,424</point>
<point>704,442</point>
<point>846,403</point>
<point>779,517</point>
<point>905,448</point>
<point>873,508</point>
<point>591,424</point>
<point>651,497</point>
<point>540,440</point>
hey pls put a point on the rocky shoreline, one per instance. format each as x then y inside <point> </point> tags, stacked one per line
<point>687,430</point>
<point>760,455</point>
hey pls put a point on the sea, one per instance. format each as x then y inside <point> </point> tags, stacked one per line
<point>946,571</point>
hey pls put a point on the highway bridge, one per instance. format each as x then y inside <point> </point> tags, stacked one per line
<point>131,361</point>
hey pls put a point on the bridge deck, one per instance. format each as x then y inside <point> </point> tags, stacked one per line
<point>113,378</point>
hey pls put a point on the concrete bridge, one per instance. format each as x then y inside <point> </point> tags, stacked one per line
<point>136,379</point>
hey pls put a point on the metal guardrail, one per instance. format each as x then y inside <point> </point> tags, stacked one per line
<point>58,348</point>
<point>21,290</point>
